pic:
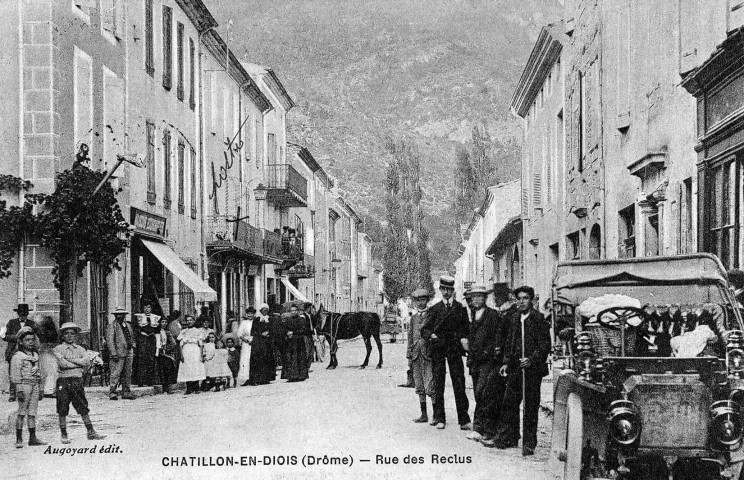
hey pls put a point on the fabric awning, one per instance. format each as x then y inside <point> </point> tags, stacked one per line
<point>293,290</point>
<point>169,259</point>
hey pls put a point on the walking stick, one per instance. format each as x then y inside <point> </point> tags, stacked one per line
<point>524,393</point>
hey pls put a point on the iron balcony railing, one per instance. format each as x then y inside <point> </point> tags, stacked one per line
<point>286,185</point>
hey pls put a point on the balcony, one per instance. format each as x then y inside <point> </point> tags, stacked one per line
<point>243,238</point>
<point>303,269</point>
<point>286,186</point>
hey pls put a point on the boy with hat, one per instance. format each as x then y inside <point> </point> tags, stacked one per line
<point>72,359</point>
<point>11,330</point>
<point>120,340</point>
<point>447,328</point>
<point>418,354</point>
<point>25,375</point>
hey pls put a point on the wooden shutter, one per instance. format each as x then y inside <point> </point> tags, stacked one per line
<point>167,168</point>
<point>150,162</point>
<point>181,173</point>
<point>179,40</point>
<point>192,76</point>
<point>193,173</point>
<point>167,47</point>
<point>536,190</point>
<point>149,40</point>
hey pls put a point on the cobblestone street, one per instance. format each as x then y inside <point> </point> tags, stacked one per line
<point>337,413</point>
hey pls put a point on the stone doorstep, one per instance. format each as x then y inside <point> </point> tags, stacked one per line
<point>47,415</point>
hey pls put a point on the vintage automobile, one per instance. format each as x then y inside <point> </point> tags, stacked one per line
<point>651,386</point>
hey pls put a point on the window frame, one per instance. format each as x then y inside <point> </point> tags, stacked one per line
<point>179,48</point>
<point>167,172</point>
<point>150,161</point>
<point>181,175</point>
<point>149,38</point>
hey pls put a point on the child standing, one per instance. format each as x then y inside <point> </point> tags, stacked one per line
<point>191,369</point>
<point>72,359</point>
<point>25,375</point>
<point>222,369</point>
<point>210,365</point>
<point>233,355</point>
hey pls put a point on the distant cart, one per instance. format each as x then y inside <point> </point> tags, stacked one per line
<point>392,326</point>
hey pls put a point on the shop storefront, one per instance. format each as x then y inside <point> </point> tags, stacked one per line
<point>718,86</point>
<point>159,275</point>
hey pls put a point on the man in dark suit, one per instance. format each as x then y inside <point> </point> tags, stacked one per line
<point>532,361</point>
<point>11,329</point>
<point>488,331</point>
<point>447,330</point>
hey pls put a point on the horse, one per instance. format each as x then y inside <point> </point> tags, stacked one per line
<point>336,326</point>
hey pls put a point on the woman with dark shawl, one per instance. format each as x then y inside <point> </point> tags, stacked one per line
<point>262,367</point>
<point>296,368</point>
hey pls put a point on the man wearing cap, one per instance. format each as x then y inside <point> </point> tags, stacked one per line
<point>418,354</point>
<point>72,359</point>
<point>488,332</point>
<point>11,330</point>
<point>447,330</point>
<point>526,326</point>
<point>120,340</point>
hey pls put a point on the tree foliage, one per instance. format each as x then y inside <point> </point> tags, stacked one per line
<point>78,227</point>
<point>75,226</point>
<point>407,263</point>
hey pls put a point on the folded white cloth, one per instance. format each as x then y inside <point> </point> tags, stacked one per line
<point>691,344</point>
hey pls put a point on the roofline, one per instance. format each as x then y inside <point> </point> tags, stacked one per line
<point>217,48</point>
<point>352,212</point>
<point>198,13</point>
<point>288,103</point>
<point>306,157</point>
<point>545,53</point>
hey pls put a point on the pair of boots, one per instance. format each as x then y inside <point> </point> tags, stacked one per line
<point>424,418</point>
<point>33,440</point>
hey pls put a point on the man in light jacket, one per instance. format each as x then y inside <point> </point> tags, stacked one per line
<point>121,342</point>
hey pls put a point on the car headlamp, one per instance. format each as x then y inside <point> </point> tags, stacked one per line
<point>625,422</point>
<point>725,424</point>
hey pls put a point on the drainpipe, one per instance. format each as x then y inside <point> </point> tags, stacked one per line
<point>202,155</point>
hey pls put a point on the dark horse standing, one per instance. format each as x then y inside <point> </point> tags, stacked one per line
<point>335,327</point>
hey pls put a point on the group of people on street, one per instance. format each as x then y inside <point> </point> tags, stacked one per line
<point>504,347</point>
<point>148,350</point>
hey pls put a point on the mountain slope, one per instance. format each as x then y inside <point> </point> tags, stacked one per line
<point>362,70</point>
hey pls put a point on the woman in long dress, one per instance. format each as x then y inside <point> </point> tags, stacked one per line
<point>296,367</point>
<point>166,352</point>
<point>263,367</point>
<point>192,370</point>
<point>244,334</point>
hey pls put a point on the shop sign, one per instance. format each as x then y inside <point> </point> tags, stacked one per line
<point>148,224</point>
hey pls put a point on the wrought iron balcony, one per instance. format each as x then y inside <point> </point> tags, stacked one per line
<point>303,269</point>
<point>286,187</point>
<point>244,238</point>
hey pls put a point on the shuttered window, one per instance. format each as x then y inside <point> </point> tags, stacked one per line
<point>181,175</point>
<point>192,76</point>
<point>149,40</point>
<point>536,190</point>
<point>179,46</point>
<point>193,182</point>
<point>150,162</point>
<point>167,168</point>
<point>167,47</point>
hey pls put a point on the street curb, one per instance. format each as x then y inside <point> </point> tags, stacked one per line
<point>96,392</point>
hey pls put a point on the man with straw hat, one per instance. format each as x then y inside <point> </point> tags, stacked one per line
<point>72,360</point>
<point>120,340</point>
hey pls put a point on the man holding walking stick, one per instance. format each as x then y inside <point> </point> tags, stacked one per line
<point>526,350</point>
